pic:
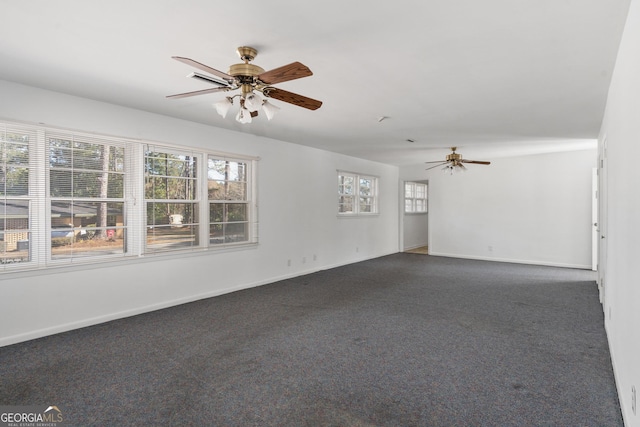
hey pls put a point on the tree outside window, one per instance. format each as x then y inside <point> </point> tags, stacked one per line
<point>228,201</point>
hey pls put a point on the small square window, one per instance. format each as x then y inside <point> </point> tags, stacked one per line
<point>357,194</point>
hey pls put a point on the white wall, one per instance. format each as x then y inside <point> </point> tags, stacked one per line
<point>297,192</point>
<point>528,209</point>
<point>415,230</point>
<point>621,128</point>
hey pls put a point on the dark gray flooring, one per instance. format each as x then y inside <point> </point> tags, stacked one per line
<point>402,340</point>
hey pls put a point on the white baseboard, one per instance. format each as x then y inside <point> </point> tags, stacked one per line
<point>514,261</point>
<point>56,329</point>
<point>409,248</point>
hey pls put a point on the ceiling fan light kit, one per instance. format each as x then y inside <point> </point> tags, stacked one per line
<point>252,102</point>
<point>244,116</point>
<point>223,106</point>
<point>269,109</point>
<point>250,78</point>
<point>453,163</point>
<point>454,168</point>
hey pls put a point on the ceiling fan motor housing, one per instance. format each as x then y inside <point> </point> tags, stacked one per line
<point>249,70</point>
<point>245,73</point>
<point>454,157</point>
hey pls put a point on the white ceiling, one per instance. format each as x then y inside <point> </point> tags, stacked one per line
<point>481,75</point>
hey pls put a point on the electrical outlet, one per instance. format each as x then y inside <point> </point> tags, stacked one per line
<point>633,399</point>
<point>304,259</point>
<point>490,248</point>
<point>315,257</point>
<point>288,263</point>
<point>357,249</point>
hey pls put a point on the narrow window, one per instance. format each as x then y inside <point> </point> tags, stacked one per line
<point>346,193</point>
<point>171,199</point>
<point>228,194</point>
<point>15,203</point>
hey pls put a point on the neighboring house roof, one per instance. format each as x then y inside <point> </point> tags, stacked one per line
<point>20,209</point>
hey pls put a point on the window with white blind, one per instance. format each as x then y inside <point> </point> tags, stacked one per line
<point>357,194</point>
<point>71,198</point>
<point>415,197</point>
<point>86,196</point>
<point>15,197</point>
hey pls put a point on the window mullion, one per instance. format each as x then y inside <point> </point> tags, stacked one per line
<point>40,203</point>
<point>356,195</point>
<point>252,200</point>
<point>202,193</point>
<point>135,206</point>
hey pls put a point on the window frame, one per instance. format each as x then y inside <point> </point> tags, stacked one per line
<point>24,257</point>
<point>134,219</point>
<point>226,202</point>
<point>175,222</point>
<point>412,199</point>
<point>120,231</point>
<point>356,194</point>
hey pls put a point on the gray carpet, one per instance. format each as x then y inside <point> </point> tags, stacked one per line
<point>402,340</point>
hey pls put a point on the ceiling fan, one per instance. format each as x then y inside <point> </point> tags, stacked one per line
<point>454,162</point>
<point>250,78</point>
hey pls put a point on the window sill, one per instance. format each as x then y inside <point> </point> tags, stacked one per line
<point>360,215</point>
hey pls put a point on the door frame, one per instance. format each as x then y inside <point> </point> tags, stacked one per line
<point>602,219</point>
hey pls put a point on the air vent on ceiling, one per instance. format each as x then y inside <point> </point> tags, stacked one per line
<point>209,79</point>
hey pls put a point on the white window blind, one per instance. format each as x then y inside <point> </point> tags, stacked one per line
<point>86,196</point>
<point>16,146</point>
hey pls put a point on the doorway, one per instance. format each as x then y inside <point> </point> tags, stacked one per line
<point>415,213</point>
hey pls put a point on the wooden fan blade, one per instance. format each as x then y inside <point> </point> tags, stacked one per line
<point>198,92</point>
<point>477,162</point>
<point>203,67</point>
<point>291,98</point>
<point>293,71</point>
<point>432,167</point>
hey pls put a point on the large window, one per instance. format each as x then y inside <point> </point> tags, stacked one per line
<point>68,197</point>
<point>357,194</point>
<point>415,197</point>
<point>86,190</point>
